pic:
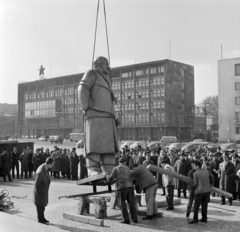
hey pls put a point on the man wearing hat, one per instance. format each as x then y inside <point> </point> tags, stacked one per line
<point>236,179</point>
<point>124,184</point>
<point>226,172</point>
<point>182,166</point>
<point>213,168</point>
<point>169,183</point>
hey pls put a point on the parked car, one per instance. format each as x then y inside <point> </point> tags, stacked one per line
<point>80,144</point>
<point>56,139</point>
<point>169,139</point>
<point>229,146</point>
<point>154,145</point>
<point>137,143</point>
<point>198,140</point>
<point>193,146</point>
<point>126,143</point>
<point>43,138</point>
<point>75,137</point>
<point>176,146</point>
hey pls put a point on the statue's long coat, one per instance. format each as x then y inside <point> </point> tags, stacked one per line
<point>97,103</point>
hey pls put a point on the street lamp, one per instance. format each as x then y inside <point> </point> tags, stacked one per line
<point>58,115</point>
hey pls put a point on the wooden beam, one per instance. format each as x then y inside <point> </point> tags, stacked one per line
<point>184,178</point>
<point>84,219</point>
<point>84,194</point>
<point>91,179</point>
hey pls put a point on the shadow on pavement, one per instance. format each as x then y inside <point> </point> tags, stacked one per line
<point>72,229</point>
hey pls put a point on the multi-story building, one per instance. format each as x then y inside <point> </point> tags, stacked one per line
<point>229,100</point>
<point>153,99</point>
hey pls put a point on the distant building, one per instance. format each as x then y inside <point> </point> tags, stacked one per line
<point>229,100</point>
<point>153,99</point>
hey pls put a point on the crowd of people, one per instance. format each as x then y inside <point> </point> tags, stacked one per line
<point>207,167</point>
<point>66,163</point>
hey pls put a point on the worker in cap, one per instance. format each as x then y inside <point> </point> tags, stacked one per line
<point>125,189</point>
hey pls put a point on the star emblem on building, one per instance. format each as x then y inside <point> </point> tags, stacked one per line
<point>41,70</point>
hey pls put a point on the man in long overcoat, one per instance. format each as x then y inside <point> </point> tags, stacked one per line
<point>37,160</point>
<point>15,155</point>
<point>74,161</point>
<point>83,169</point>
<point>41,187</point>
<point>6,164</point>
<point>65,165</point>
<point>213,168</point>
<point>182,166</point>
<point>227,172</point>
<point>96,98</point>
<point>24,159</point>
<point>236,179</point>
<point>56,155</point>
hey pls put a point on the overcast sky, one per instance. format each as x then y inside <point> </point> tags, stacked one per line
<point>61,32</point>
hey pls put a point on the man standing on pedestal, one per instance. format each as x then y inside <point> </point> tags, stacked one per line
<point>96,98</point>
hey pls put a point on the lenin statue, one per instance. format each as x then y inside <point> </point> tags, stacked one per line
<point>97,102</point>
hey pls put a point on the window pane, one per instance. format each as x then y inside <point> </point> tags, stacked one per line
<point>237,99</point>
<point>237,69</point>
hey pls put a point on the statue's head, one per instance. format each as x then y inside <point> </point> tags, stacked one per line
<point>101,63</point>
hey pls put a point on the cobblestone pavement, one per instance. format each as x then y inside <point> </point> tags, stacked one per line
<point>221,218</point>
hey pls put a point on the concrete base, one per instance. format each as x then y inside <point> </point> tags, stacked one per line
<point>13,223</point>
<point>84,219</point>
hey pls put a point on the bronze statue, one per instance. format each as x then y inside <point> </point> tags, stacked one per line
<point>96,99</point>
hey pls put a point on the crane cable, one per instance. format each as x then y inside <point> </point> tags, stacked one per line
<point>95,34</point>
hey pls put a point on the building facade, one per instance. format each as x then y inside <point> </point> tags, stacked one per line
<point>229,100</point>
<point>153,99</point>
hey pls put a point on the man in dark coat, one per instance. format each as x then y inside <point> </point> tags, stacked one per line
<point>56,155</point>
<point>182,166</point>
<point>74,160</point>
<point>37,160</point>
<point>65,165</point>
<point>6,165</point>
<point>30,164</point>
<point>15,156</point>
<point>236,179</point>
<point>41,187</point>
<point>227,172</point>
<point>213,168</point>
<point>96,98</point>
<point>83,169</point>
<point>24,159</point>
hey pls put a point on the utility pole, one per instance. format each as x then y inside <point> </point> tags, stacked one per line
<point>205,114</point>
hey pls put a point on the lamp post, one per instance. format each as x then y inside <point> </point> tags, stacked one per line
<point>58,115</point>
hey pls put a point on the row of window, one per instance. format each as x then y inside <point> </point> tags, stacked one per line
<point>49,94</point>
<point>143,118</point>
<point>141,72</point>
<point>43,113</point>
<point>139,83</point>
<point>40,105</point>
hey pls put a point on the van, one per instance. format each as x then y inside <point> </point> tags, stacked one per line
<point>75,137</point>
<point>56,139</point>
<point>168,139</point>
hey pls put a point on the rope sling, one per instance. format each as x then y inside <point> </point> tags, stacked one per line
<point>98,164</point>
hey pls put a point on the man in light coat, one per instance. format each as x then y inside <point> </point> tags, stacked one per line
<point>96,99</point>
<point>41,187</point>
<point>169,183</point>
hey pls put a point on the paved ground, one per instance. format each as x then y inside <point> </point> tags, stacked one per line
<point>221,218</point>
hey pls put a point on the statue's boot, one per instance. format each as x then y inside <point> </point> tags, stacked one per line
<point>93,164</point>
<point>107,162</point>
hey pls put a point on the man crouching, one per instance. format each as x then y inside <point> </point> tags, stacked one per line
<point>124,184</point>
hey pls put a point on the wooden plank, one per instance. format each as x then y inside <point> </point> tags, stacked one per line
<point>163,203</point>
<point>184,178</point>
<point>83,219</point>
<point>91,179</point>
<point>84,194</point>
